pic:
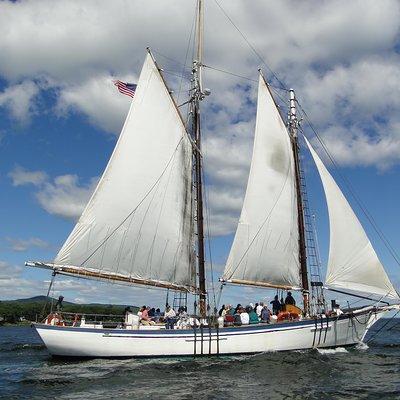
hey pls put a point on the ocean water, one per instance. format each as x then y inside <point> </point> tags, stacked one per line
<point>364,372</point>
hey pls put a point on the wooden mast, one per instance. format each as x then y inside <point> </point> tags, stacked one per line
<point>293,125</point>
<point>198,95</point>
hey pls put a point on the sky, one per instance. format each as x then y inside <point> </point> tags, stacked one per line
<point>60,115</point>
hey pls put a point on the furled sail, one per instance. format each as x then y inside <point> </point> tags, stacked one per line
<point>353,263</point>
<point>265,250</point>
<point>137,225</point>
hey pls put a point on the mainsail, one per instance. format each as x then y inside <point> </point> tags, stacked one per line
<point>353,263</point>
<point>137,226</point>
<point>265,250</point>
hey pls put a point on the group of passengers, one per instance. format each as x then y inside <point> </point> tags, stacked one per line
<point>251,314</point>
<point>254,313</point>
<point>152,316</point>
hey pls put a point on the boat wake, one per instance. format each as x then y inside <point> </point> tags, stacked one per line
<point>362,346</point>
<point>332,351</point>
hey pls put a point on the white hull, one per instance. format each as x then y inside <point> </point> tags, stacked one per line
<point>93,342</point>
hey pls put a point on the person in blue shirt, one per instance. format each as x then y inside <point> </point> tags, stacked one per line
<point>276,305</point>
<point>265,314</point>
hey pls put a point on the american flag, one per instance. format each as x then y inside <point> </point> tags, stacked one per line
<point>126,88</point>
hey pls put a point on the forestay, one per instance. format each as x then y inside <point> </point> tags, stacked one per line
<point>353,263</point>
<point>138,223</point>
<point>265,249</point>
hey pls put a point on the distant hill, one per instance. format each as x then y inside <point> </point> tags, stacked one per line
<point>32,308</point>
<point>36,299</point>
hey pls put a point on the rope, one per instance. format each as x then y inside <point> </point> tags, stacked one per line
<point>367,214</point>
<point>140,203</point>
<point>379,330</point>
<point>186,55</point>
<point>230,73</point>
<point>48,292</point>
<point>251,46</point>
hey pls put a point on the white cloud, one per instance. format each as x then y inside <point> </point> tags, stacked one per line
<point>20,176</point>
<point>344,68</point>
<point>65,197</point>
<point>20,245</point>
<point>99,100</point>
<point>18,99</point>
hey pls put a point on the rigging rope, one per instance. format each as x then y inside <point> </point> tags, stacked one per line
<point>186,55</point>
<point>367,214</point>
<point>251,46</point>
<point>140,203</point>
<point>381,328</point>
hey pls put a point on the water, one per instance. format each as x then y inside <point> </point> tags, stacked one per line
<point>363,372</point>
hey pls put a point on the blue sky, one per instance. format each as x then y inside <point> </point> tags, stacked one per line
<point>60,115</point>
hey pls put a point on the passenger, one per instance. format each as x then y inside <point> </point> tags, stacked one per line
<point>183,321</point>
<point>244,316</point>
<point>238,307</point>
<point>259,309</point>
<point>127,312</point>
<point>157,315</point>
<point>221,310</point>
<point>276,305</point>
<point>253,318</point>
<point>265,314</point>
<point>336,310</point>
<point>169,317</point>
<point>144,316</point>
<point>290,300</point>
<point>237,319</point>
<point>152,312</point>
<point>228,316</point>
<point>231,310</point>
<point>225,311</point>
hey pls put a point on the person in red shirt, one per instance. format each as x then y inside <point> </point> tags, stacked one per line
<point>144,316</point>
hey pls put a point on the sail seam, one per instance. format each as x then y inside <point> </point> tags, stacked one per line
<point>262,225</point>
<point>140,203</point>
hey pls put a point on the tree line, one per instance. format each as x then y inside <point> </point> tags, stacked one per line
<point>14,310</point>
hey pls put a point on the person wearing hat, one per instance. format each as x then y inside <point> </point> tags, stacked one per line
<point>290,299</point>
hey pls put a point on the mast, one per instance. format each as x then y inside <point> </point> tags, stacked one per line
<point>293,125</point>
<point>198,95</point>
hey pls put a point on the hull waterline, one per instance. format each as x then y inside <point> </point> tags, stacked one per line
<point>345,330</point>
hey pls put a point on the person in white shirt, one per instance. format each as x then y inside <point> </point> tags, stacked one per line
<point>244,317</point>
<point>169,317</point>
<point>259,309</point>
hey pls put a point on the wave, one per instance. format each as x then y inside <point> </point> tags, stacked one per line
<point>28,346</point>
<point>337,350</point>
<point>362,346</point>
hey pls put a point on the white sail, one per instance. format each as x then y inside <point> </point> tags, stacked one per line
<point>265,249</point>
<point>138,222</point>
<point>353,263</point>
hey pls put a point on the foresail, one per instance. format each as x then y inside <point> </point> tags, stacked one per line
<point>138,223</point>
<point>353,263</point>
<point>265,250</point>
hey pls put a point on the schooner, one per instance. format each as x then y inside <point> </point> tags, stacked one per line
<point>143,225</point>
